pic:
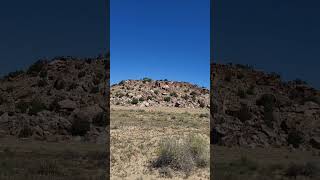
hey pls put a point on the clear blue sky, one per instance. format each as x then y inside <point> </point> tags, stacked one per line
<point>281,36</point>
<point>160,39</point>
<point>34,29</point>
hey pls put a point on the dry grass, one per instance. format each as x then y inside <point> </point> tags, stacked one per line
<point>41,160</point>
<point>138,137</point>
<point>264,163</point>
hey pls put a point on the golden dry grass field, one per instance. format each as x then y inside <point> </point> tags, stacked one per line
<point>137,136</point>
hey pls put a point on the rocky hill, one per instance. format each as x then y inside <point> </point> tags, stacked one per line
<point>156,93</point>
<point>53,100</point>
<point>253,108</point>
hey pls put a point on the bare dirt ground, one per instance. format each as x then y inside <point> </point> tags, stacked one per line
<point>136,133</point>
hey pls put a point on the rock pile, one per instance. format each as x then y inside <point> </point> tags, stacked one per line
<point>159,93</point>
<point>252,108</point>
<point>57,99</point>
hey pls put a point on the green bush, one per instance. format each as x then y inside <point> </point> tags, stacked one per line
<point>100,119</point>
<point>36,68</point>
<point>141,99</point>
<point>146,79</point>
<point>241,93</point>
<point>22,106</point>
<point>244,113</point>
<point>167,99</point>
<point>80,127</point>
<point>25,132</point>
<point>295,138</point>
<point>42,83</point>
<point>135,101</point>
<point>251,90</point>
<point>81,74</point>
<point>267,100</point>
<point>43,74</point>
<point>156,91</point>
<point>184,155</point>
<point>149,98</point>
<point>14,74</point>
<point>59,84</point>
<point>174,94</point>
<point>36,106</point>
<point>185,97</point>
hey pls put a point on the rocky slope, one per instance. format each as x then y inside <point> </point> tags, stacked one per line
<point>253,108</point>
<point>55,100</point>
<point>159,93</point>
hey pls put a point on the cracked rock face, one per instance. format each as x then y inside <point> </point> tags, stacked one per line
<point>58,99</point>
<point>253,108</point>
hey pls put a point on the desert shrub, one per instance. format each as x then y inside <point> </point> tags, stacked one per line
<point>202,104</point>
<point>141,99</point>
<point>35,68</point>
<point>22,106</point>
<point>240,75</point>
<point>54,106</point>
<point>299,81</point>
<point>185,97</point>
<point>72,86</point>
<point>120,95</point>
<point>36,106</point>
<point>204,115</point>
<point>244,113</point>
<point>48,167</point>
<point>267,100</point>
<point>146,79</point>
<point>59,84</point>
<point>156,91</point>
<point>310,169</point>
<point>42,83</point>
<point>193,93</point>
<point>149,98</point>
<point>9,89</point>
<point>43,74</point>
<point>241,93</point>
<point>268,117</point>
<point>295,138</point>
<point>25,132</point>
<point>14,74</point>
<point>2,100</point>
<point>81,74</point>
<point>182,155</point>
<point>174,94</point>
<point>228,76</point>
<point>135,101</point>
<point>94,90</point>
<point>80,127</point>
<point>315,99</point>
<point>100,119</point>
<point>167,99</point>
<point>251,90</point>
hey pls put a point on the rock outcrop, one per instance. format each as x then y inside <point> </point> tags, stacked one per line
<point>56,100</point>
<point>253,108</point>
<point>159,93</point>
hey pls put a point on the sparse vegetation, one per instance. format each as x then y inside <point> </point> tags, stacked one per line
<point>167,99</point>
<point>135,101</point>
<point>146,79</point>
<point>36,68</point>
<point>186,155</point>
<point>244,113</point>
<point>173,94</point>
<point>295,138</point>
<point>80,127</point>
<point>241,93</point>
<point>36,106</point>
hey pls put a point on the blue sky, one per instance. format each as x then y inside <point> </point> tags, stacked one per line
<point>167,39</point>
<point>34,29</point>
<point>275,36</point>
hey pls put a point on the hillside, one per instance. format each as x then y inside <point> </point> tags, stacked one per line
<point>159,93</point>
<point>56,100</point>
<point>252,108</point>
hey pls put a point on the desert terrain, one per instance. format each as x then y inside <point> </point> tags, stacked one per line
<point>261,126</point>
<point>53,120</point>
<point>147,135</point>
